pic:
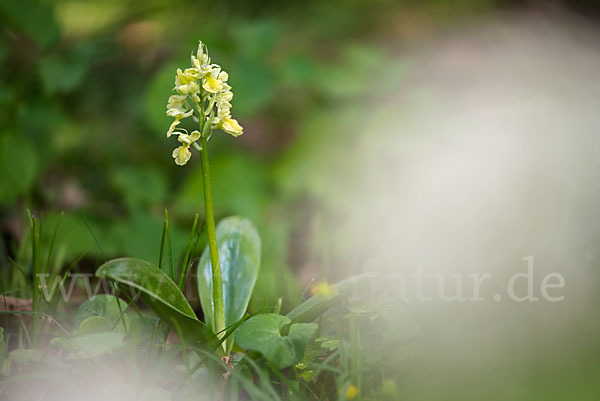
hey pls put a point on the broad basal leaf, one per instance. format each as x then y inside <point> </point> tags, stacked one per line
<point>102,305</point>
<point>239,257</point>
<point>99,324</point>
<point>265,334</point>
<point>161,294</point>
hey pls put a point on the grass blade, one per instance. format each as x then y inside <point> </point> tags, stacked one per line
<point>192,241</point>
<point>87,224</point>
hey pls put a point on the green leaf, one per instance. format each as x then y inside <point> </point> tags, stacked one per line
<point>34,18</point>
<point>239,256</point>
<point>315,306</point>
<point>140,186</point>
<point>102,305</point>
<point>263,333</point>
<point>103,312</point>
<point>62,74</point>
<point>161,294</point>
<point>18,166</point>
<point>140,327</point>
<point>99,324</point>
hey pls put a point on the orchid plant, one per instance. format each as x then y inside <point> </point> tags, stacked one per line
<point>203,94</point>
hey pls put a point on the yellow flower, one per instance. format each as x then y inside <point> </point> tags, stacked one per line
<point>182,153</point>
<point>191,74</point>
<point>351,392</point>
<point>186,77</point>
<point>226,95</point>
<point>176,101</point>
<point>223,109</point>
<point>204,88</point>
<point>201,61</point>
<point>185,81</point>
<point>172,127</point>
<point>231,126</point>
<point>179,113</point>
<point>188,89</point>
<point>322,289</point>
<point>176,109</point>
<point>211,84</point>
<point>215,81</point>
<point>191,138</point>
<point>222,76</point>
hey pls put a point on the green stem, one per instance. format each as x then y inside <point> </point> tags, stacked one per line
<point>35,254</point>
<point>217,283</point>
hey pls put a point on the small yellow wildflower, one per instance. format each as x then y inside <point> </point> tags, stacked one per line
<point>351,392</point>
<point>322,289</point>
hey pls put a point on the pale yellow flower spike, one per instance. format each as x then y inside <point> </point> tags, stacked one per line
<point>202,82</point>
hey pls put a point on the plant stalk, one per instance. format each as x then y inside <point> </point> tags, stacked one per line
<point>35,254</point>
<point>217,282</point>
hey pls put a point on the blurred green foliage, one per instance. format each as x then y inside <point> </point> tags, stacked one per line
<point>82,100</point>
<point>83,91</point>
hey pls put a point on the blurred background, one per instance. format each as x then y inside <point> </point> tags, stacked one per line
<point>456,135</point>
<point>83,94</point>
